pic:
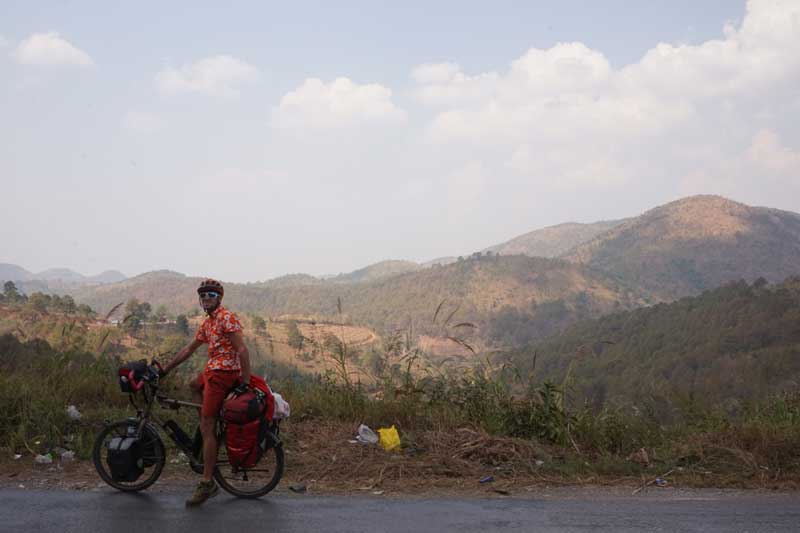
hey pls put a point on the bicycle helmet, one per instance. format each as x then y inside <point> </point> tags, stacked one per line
<point>210,285</point>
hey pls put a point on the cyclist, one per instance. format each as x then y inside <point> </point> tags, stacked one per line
<point>228,365</point>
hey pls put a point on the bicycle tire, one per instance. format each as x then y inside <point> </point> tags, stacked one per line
<point>119,428</point>
<point>224,471</point>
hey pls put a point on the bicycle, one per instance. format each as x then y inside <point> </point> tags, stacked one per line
<point>142,433</point>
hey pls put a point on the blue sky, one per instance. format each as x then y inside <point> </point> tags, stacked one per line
<point>254,140</point>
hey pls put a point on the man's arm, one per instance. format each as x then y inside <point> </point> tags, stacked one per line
<point>183,355</point>
<point>237,339</point>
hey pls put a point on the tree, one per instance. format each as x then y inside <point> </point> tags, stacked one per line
<point>10,292</point>
<point>259,324</point>
<point>84,309</point>
<point>39,301</point>
<point>160,314</point>
<point>69,304</point>
<point>182,324</point>
<point>136,313</point>
<point>294,337</point>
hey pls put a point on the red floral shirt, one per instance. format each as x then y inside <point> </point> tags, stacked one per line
<point>215,331</point>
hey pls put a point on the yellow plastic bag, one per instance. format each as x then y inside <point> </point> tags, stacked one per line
<point>390,439</point>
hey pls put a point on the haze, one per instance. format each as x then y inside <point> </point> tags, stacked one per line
<point>252,141</point>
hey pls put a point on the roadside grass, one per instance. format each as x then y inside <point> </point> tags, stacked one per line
<point>486,420</point>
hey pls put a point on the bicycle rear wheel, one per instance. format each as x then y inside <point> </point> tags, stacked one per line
<point>250,482</point>
<point>153,457</point>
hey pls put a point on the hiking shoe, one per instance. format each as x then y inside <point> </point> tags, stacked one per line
<point>203,491</point>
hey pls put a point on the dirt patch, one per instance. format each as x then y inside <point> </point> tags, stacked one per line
<point>320,456</point>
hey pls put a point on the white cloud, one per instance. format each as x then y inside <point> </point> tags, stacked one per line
<point>50,50</point>
<point>769,154</point>
<point>319,105</point>
<point>219,75</point>
<point>142,122</point>
<point>3,42</point>
<point>444,85</point>
<point>564,116</point>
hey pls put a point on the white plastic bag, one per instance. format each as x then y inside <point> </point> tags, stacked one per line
<point>282,409</point>
<point>366,435</point>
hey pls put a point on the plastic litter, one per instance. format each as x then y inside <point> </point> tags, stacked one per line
<point>299,488</point>
<point>487,479</point>
<point>539,462</point>
<point>43,459</point>
<point>17,456</point>
<point>389,439</point>
<point>67,456</point>
<point>282,409</point>
<point>73,413</point>
<point>366,435</point>
<point>660,482</point>
<point>180,459</point>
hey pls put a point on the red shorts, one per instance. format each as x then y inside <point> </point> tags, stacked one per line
<point>215,386</point>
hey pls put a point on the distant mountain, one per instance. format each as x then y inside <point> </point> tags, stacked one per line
<point>383,269</point>
<point>553,241</point>
<point>173,289</point>
<point>54,278</point>
<point>60,274</point>
<point>289,280</point>
<point>440,261</point>
<point>697,243</point>
<point>474,290</point>
<point>109,276</point>
<point>9,272</point>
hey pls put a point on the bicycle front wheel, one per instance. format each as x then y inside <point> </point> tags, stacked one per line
<point>153,457</point>
<point>250,482</point>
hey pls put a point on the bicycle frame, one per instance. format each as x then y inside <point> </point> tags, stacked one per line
<point>192,447</point>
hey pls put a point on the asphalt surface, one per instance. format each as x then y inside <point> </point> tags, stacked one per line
<point>108,510</point>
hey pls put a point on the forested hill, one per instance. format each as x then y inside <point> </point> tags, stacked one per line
<point>737,342</point>
<point>553,241</point>
<point>478,286</point>
<point>695,244</point>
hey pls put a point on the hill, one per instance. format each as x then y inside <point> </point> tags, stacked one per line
<point>383,269</point>
<point>56,277</point>
<point>553,241</point>
<point>60,274</point>
<point>475,290</point>
<point>726,346</point>
<point>9,272</point>
<point>697,243</point>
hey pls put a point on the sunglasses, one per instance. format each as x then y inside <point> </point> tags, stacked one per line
<point>209,294</point>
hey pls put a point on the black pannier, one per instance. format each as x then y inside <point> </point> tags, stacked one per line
<point>131,374</point>
<point>125,459</point>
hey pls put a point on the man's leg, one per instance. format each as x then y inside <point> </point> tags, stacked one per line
<point>205,393</point>
<point>207,426</point>
<point>197,386</point>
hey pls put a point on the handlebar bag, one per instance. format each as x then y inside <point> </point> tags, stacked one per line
<point>130,374</point>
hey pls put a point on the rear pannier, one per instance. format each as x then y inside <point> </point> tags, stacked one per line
<point>245,407</point>
<point>241,441</point>
<point>247,417</point>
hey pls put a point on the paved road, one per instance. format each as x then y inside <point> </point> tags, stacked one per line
<point>107,510</point>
